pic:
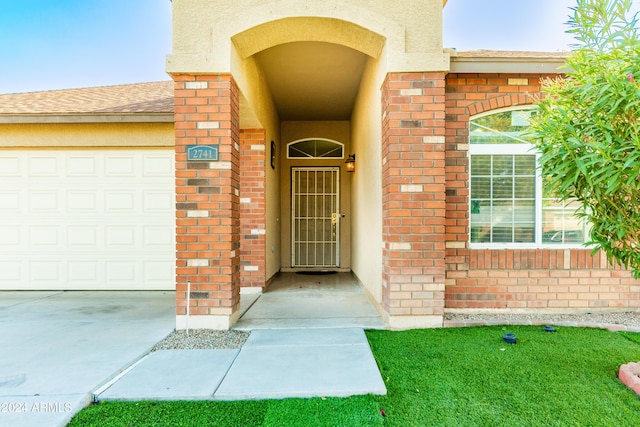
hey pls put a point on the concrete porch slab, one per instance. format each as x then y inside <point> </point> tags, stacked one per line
<point>300,301</point>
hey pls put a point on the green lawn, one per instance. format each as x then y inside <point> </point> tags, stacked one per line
<point>442,377</point>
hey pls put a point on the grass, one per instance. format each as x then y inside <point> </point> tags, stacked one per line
<point>469,377</point>
<point>442,377</point>
<point>355,411</point>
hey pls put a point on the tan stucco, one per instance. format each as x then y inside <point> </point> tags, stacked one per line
<point>257,108</point>
<point>90,135</point>
<point>304,29</point>
<point>273,247</point>
<point>203,30</point>
<point>366,183</point>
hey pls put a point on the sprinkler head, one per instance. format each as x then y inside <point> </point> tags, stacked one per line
<point>509,338</point>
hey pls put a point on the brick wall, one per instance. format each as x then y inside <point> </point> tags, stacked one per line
<point>413,194</point>
<point>252,208</point>
<point>506,278</point>
<point>543,278</point>
<point>207,196</point>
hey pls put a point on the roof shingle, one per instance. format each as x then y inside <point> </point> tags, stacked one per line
<point>140,98</point>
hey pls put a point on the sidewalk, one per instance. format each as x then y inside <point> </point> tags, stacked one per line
<point>272,364</point>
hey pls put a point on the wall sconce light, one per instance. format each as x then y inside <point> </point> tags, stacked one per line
<point>350,163</point>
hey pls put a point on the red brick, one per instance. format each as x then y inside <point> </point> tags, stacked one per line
<point>207,238</point>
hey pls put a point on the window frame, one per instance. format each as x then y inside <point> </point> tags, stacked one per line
<point>338,144</point>
<point>524,148</point>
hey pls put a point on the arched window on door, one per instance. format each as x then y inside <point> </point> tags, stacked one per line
<point>316,148</point>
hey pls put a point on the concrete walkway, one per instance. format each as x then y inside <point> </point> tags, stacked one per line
<point>272,364</point>
<point>307,340</point>
<point>59,349</point>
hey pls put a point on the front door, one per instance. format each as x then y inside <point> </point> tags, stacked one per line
<point>315,217</point>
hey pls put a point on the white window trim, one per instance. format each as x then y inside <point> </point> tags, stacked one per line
<point>514,149</point>
<point>312,157</point>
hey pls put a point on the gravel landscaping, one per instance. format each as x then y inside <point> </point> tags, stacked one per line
<point>626,318</point>
<point>202,339</point>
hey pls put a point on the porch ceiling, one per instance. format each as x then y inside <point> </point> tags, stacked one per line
<point>313,80</point>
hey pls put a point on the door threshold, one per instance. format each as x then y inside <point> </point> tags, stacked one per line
<point>315,270</point>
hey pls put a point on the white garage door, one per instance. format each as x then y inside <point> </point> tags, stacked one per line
<point>87,219</point>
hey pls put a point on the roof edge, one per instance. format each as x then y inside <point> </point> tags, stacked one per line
<point>547,65</point>
<point>87,118</point>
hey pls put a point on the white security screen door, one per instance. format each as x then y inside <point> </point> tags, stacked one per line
<point>315,217</point>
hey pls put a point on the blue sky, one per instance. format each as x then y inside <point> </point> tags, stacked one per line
<point>535,25</point>
<point>57,44</point>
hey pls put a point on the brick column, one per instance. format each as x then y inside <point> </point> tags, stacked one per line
<point>413,180</point>
<point>253,219</point>
<point>207,202</point>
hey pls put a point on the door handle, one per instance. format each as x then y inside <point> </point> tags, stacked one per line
<point>335,217</point>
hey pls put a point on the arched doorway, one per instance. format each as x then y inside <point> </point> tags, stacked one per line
<point>290,70</point>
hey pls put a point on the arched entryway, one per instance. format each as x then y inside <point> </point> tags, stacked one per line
<point>290,71</point>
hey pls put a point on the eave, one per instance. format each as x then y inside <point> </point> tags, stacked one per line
<point>87,118</point>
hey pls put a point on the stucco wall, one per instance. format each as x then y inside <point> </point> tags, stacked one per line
<point>273,214</point>
<point>87,135</point>
<point>203,30</point>
<point>366,184</point>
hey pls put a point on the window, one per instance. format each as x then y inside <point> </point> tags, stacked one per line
<point>315,149</point>
<point>509,203</point>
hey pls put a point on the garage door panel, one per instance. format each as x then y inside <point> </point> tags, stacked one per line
<point>45,200</point>
<point>121,271</point>
<point>82,201</point>
<point>10,165</point>
<point>95,219</point>
<point>119,201</point>
<point>84,272</point>
<point>46,237</point>
<point>82,166</point>
<point>157,166</point>
<point>45,165</point>
<point>45,272</point>
<point>79,236</point>
<point>10,200</point>
<point>120,165</point>
<point>121,236</point>
<point>157,201</point>
<point>11,271</point>
<point>157,236</point>
<point>10,237</point>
